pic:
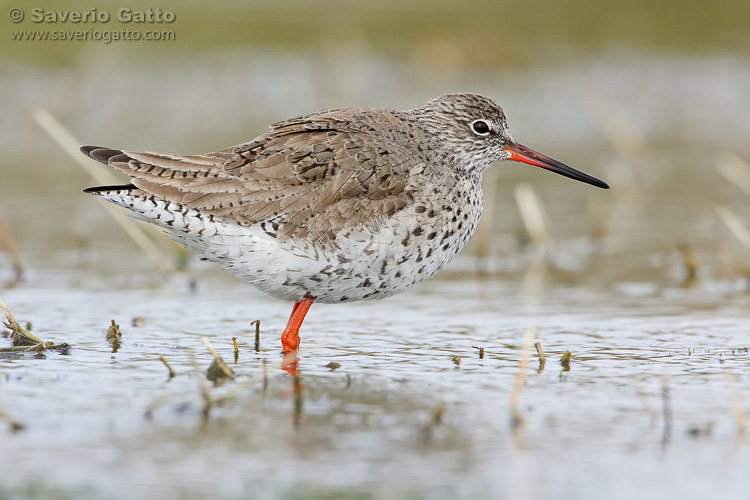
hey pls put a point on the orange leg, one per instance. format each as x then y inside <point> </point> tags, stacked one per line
<point>290,338</point>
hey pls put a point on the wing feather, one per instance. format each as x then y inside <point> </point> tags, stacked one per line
<point>314,175</point>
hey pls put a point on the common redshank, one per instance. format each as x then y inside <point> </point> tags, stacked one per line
<point>336,206</point>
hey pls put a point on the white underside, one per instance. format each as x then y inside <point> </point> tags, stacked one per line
<point>358,264</point>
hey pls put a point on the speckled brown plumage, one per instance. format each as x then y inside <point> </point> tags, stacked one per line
<point>339,205</point>
<point>315,175</point>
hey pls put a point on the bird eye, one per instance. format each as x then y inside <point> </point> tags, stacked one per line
<point>481,127</point>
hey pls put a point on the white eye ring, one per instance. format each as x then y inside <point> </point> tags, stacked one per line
<point>481,127</point>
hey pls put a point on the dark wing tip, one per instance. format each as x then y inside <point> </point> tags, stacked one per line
<point>88,149</point>
<point>105,189</point>
<point>100,154</point>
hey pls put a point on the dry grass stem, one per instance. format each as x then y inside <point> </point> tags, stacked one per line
<point>114,336</point>
<point>169,367</point>
<point>515,395</point>
<point>236,350</point>
<point>533,215</point>
<point>113,332</point>
<point>542,359</point>
<point>436,419</point>
<point>667,408</point>
<point>565,361</point>
<point>25,341</point>
<point>70,145</point>
<point>734,396</point>
<point>735,225</point>
<point>540,352</point>
<point>265,375</point>
<point>217,359</point>
<point>206,396</point>
<point>735,170</point>
<point>690,259</point>
<point>298,400</point>
<point>620,129</point>
<point>9,246</point>
<point>257,334</point>
<point>20,335</point>
<point>15,425</point>
<point>643,398</point>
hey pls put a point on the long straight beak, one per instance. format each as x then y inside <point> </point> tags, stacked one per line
<point>528,155</point>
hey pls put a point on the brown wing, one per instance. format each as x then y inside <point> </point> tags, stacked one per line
<point>312,176</point>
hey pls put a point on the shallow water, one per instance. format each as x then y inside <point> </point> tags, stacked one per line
<point>651,405</point>
<point>646,400</point>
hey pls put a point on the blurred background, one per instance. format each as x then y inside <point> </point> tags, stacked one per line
<point>422,396</point>
<point>652,98</point>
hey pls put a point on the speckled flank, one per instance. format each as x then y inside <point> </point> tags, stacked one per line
<point>358,264</point>
<point>340,205</point>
